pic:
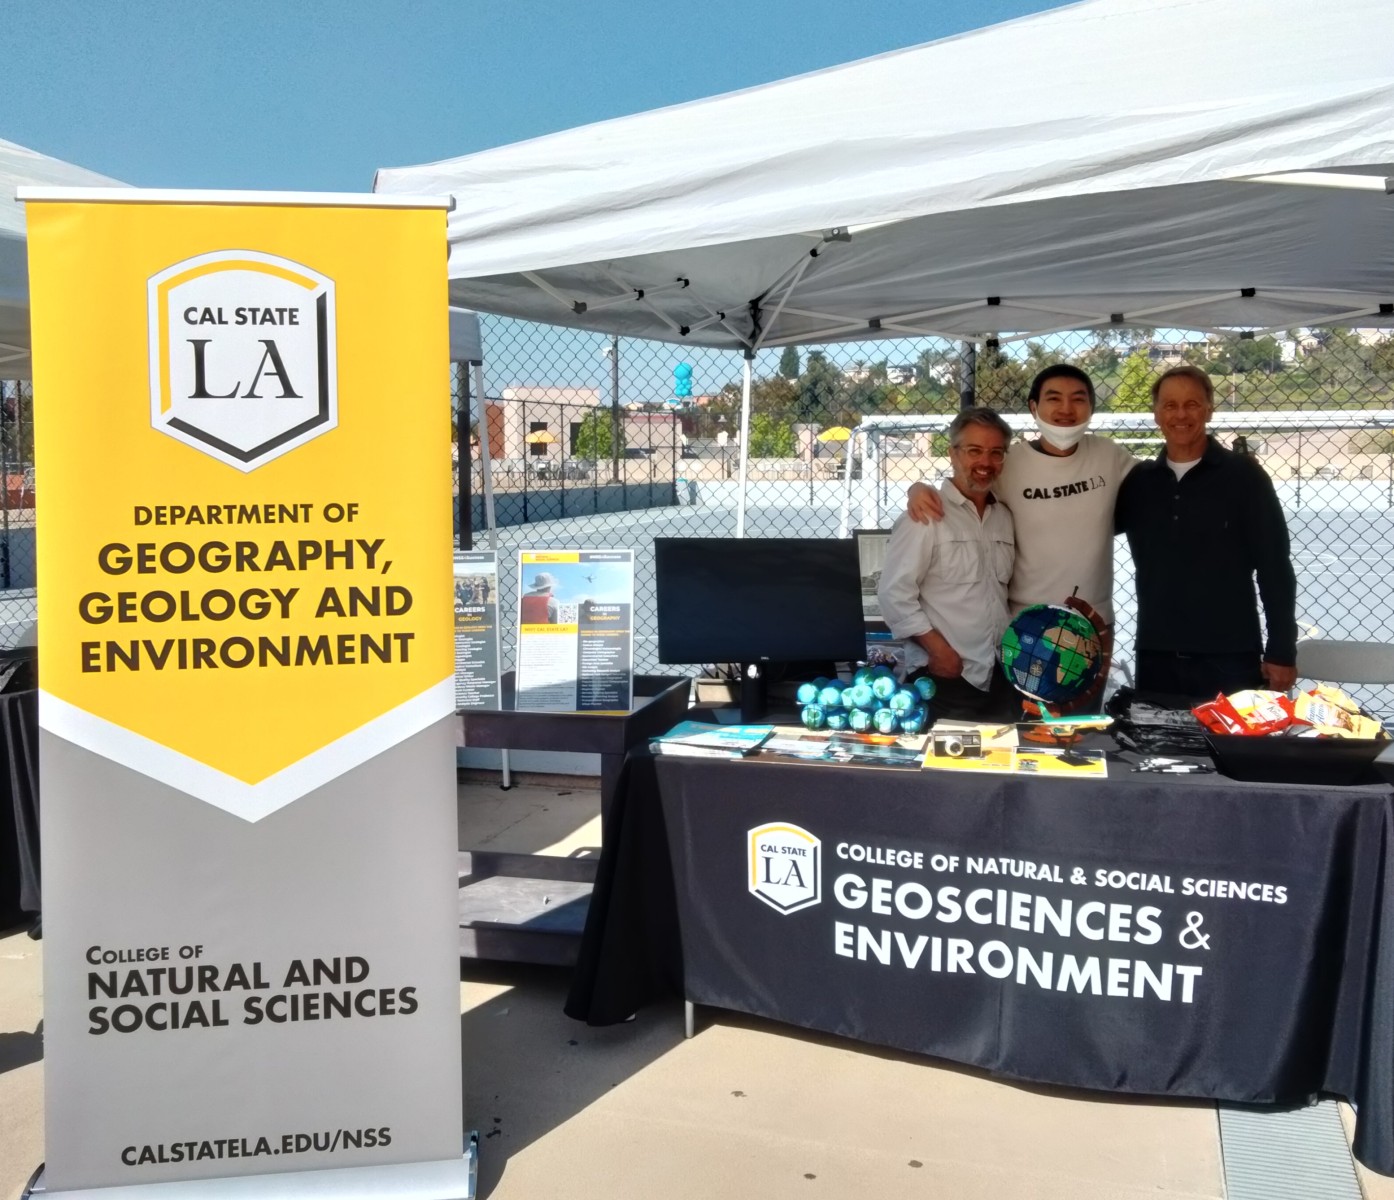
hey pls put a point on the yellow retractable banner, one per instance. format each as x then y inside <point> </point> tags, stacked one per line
<point>243,435</point>
<point>246,661</point>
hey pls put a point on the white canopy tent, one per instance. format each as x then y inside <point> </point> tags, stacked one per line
<point>1087,165</point>
<point>20,167</point>
<point>1111,162</point>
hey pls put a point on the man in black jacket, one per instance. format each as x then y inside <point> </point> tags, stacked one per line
<point>1202,523</point>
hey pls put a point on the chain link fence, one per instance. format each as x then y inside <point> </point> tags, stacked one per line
<point>594,446</point>
<point>18,606</point>
<point>1315,406</point>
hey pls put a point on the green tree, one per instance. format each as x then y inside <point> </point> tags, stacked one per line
<point>1002,381</point>
<point>1339,357</point>
<point>770,437</point>
<point>1239,356</point>
<point>789,362</point>
<point>1038,358</point>
<point>936,370</point>
<point>1134,390</point>
<point>1382,357</point>
<point>821,389</point>
<point>595,436</point>
<point>1102,356</point>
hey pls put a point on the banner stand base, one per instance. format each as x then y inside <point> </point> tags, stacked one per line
<point>451,1179</point>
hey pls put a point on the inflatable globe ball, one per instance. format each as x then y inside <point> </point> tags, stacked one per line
<point>1051,653</point>
<point>883,687</point>
<point>914,721</point>
<point>886,721</point>
<point>903,701</point>
<point>871,700</point>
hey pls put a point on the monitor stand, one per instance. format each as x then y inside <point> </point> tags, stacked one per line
<point>754,693</point>
<point>754,708</point>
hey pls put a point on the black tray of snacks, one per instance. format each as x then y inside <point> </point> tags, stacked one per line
<point>1329,761</point>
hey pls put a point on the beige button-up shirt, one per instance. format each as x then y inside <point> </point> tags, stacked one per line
<point>951,575</point>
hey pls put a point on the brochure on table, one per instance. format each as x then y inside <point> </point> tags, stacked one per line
<point>844,747</point>
<point>696,739</point>
<point>575,631</point>
<point>476,630</point>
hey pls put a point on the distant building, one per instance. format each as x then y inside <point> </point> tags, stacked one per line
<point>539,428</point>
<point>1173,353</point>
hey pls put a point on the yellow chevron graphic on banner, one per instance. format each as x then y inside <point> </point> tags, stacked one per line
<point>244,522</point>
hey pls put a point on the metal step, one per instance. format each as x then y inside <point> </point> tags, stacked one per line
<point>1286,1154</point>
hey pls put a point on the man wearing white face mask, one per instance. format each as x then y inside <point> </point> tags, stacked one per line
<point>1060,489</point>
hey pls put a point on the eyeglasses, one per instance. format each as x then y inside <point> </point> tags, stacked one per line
<point>997,454</point>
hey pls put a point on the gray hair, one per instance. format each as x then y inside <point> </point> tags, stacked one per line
<point>980,415</point>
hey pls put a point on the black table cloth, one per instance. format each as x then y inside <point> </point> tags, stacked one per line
<point>1187,936</point>
<point>19,808</point>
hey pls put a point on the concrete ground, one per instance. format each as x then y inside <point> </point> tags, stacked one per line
<point>746,1108</point>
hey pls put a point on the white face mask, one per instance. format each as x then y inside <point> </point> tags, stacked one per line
<point>1062,437</point>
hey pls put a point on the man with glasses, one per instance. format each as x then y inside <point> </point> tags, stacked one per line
<point>944,583</point>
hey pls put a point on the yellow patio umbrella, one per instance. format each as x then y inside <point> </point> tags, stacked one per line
<point>838,433</point>
<point>540,437</point>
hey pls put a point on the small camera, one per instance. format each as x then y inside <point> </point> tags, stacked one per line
<point>958,744</point>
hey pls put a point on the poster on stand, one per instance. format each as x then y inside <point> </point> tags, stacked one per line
<point>476,630</point>
<point>575,630</point>
<point>247,695</point>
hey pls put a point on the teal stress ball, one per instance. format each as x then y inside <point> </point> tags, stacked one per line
<point>859,720</point>
<point>821,682</point>
<point>886,721</point>
<point>813,716</point>
<point>883,687</point>
<point>862,675</point>
<point>807,693</point>
<point>861,696</point>
<point>914,721</point>
<point>903,701</point>
<point>830,696</point>
<point>925,688</point>
<point>836,720</point>
<point>849,699</point>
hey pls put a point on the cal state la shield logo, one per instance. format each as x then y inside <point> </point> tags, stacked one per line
<point>242,355</point>
<point>786,866</point>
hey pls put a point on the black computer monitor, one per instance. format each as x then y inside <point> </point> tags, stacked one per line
<point>758,602</point>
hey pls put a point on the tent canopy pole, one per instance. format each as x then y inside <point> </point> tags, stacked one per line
<point>745,441</point>
<point>486,457</point>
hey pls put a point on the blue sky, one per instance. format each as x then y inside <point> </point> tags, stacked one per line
<point>317,94</point>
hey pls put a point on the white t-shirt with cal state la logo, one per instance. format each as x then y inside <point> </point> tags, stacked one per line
<point>1062,508</point>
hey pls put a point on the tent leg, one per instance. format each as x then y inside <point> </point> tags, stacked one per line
<point>968,375</point>
<point>464,460</point>
<point>849,447</point>
<point>744,447</point>
<point>486,457</point>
